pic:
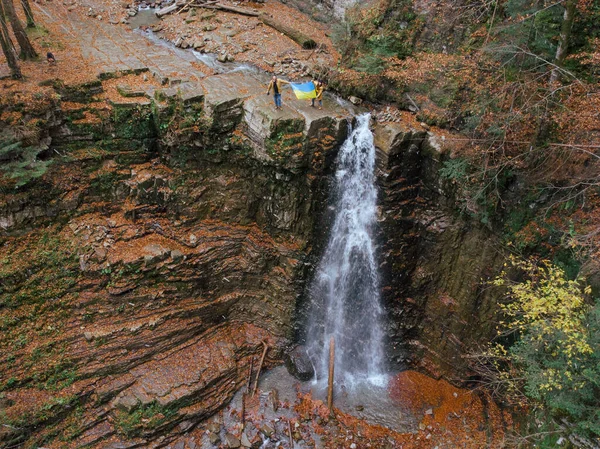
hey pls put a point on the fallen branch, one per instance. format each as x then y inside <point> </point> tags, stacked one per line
<point>300,38</point>
<point>413,102</point>
<point>168,9</point>
<point>222,7</point>
<point>262,359</point>
<point>182,5</point>
<point>243,410</point>
<point>291,435</point>
<point>186,6</point>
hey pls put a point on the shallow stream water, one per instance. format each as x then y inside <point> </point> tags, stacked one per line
<point>366,401</point>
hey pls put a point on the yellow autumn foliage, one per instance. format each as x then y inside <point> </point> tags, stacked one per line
<point>548,310</point>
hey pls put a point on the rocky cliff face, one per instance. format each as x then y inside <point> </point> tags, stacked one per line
<point>141,274</point>
<point>434,262</point>
<point>173,235</point>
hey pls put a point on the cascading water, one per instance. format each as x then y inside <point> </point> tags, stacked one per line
<point>345,292</point>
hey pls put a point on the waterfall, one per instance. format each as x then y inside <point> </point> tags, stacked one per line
<point>345,291</point>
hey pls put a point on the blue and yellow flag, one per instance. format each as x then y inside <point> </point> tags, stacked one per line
<point>304,91</point>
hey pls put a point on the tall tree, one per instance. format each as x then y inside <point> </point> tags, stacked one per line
<point>564,39</point>
<point>28,13</point>
<point>8,48</point>
<point>27,50</point>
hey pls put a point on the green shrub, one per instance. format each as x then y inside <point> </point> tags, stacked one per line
<point>454,169</point>
<point>371,64</point>
<point>143,417</point>
<point>21,164</point>
<point>548,354</point>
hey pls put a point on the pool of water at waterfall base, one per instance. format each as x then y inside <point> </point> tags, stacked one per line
<point>412,411</point>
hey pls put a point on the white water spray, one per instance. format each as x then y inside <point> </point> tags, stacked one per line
<point>345,292</point>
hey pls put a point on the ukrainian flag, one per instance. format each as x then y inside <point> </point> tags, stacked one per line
<point>304,91</point>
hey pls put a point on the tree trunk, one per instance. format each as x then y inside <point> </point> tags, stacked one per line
<point>565,36</point>
<point>28,13</point>
<point>7,48</point>
<point>300,38</point>
<point>27,50</point>
<point>561,54</point>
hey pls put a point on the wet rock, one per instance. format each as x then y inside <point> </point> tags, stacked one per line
<point>213,427</point>
<point>355,100</point>
<point>267,430</point>
<point>126,403</point>
<point>214,438</point>
<point>225,57</point>
<point>185,425</point>
<point>298,364</point>
<point>245,441</point>
<point>155,253</point>
<point>232,441</point>
<point>176,255</point>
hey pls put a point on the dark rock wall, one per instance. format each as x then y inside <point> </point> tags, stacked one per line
<point>434,262</point>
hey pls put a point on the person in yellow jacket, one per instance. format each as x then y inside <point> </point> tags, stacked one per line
<point>276,84</point>
<point>319,88</point>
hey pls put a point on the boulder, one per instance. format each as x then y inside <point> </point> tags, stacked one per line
<point>298,364</point>
<point>232,441</point>
<point>245,441</point>
<point>267,430</point>
<point>214,438</point>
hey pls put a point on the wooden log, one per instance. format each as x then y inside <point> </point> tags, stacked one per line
<point>262,359</point>
<point>168,9</point>
<point>233,9</point>
<point>291,435</point>
<point>300,38</point>
<point>243,410</point>
<point>331,371</point>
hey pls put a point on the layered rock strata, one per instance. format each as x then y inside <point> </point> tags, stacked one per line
<point>144,271</point>
<point>435,263</point>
